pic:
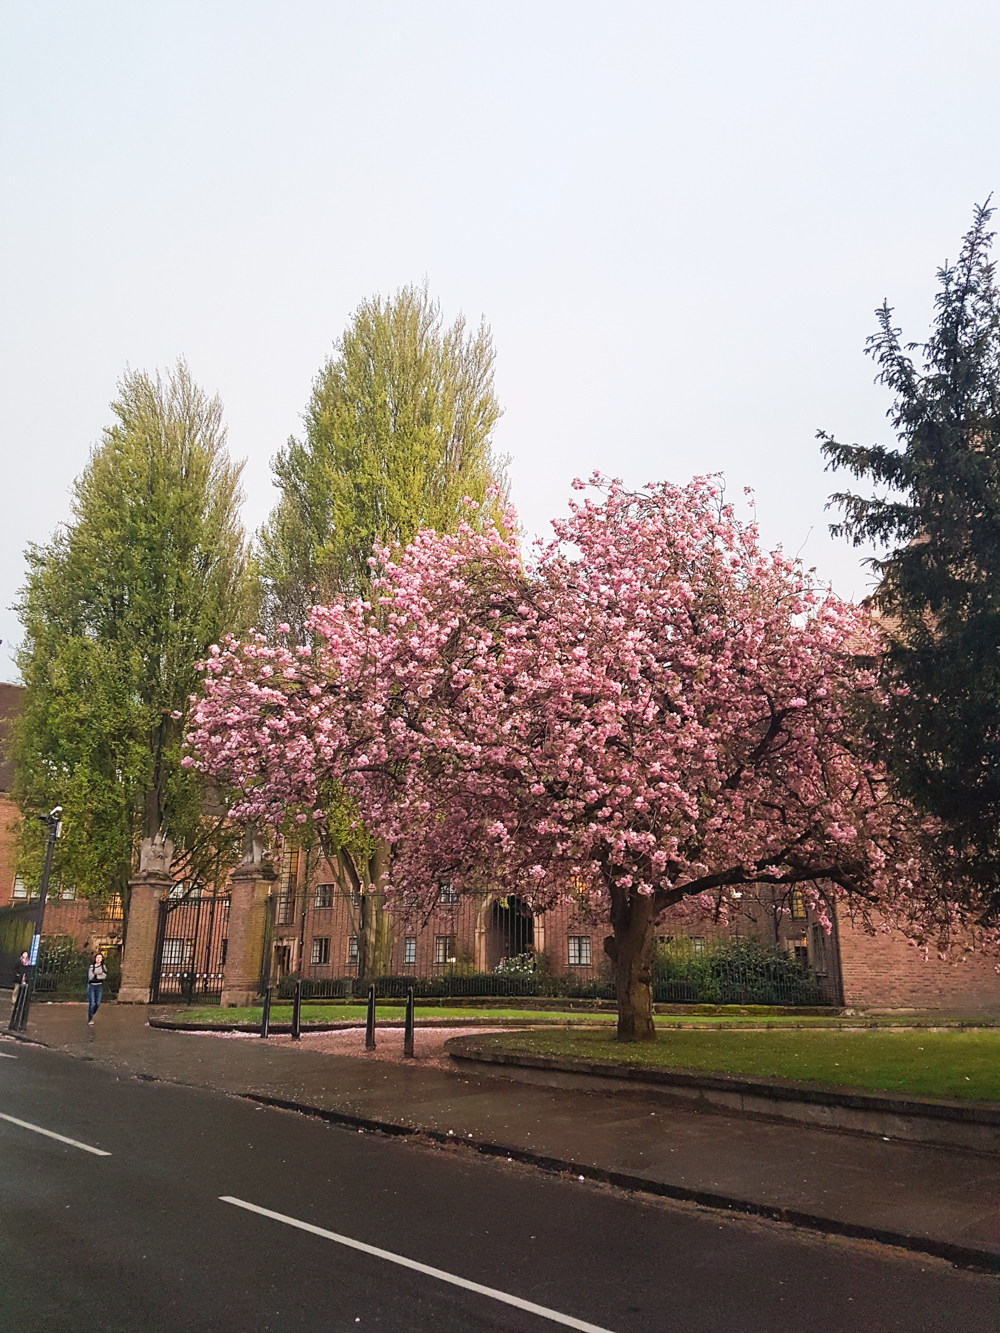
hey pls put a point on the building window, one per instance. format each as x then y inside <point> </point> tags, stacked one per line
<point>177,953</point>
<point>357,899</point>
<point>115,912</point>
<point>289,869</point>
<point>698,945</point>
<point>321,949</point>
<point>448,894</point>
<point>324,895</point>
<point>286,909</point>
<point>579,951</point>
<point>409,950</point>
<point>20,888</point>
<point>444,949</point>
<point>798,904</point>
<point>352,950</point>
<point>68,892</point>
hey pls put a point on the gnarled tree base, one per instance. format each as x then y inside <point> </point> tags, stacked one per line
<point>630,949</point>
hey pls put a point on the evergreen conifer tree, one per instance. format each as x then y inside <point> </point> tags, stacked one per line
<point>937,510</point>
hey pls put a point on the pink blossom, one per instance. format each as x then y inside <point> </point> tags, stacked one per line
<point>656,709</point>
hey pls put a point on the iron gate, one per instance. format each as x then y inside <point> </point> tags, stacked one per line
<point>190,955</point>
<point>17,926</point>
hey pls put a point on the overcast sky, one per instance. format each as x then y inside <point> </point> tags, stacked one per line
<point>676,217</point>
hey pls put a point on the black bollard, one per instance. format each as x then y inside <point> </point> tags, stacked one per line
<point>18,1015</point>
<point>408,1030</point>
<point>297,1012</point>
<point>370,1029</point>
<point>265,1014</point>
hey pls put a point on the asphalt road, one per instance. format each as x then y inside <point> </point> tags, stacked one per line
<point>157,1235</point>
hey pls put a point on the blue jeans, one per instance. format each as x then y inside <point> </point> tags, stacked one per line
<point>94,990</point>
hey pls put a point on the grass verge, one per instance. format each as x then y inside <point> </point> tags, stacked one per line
<point>313,1012</point>
<point>351,1013</point>
<point>928,1064</point>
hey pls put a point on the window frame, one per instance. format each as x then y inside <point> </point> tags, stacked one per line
<point>180,959</point>
<point>445,950</point>
<point>580,945</point>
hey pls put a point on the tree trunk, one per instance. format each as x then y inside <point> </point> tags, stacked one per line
<point>375,935</point>
<point>630,948</point>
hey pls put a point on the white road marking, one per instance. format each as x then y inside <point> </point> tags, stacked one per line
<point>566,1320</point>
<point>50,1134</point>
<point>5,1056</point>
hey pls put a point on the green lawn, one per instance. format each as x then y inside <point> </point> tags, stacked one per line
<point>352,1013</point>
<point>931,1064</point>
<point>348,1013</point>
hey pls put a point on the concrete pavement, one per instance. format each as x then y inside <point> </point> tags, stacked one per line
<point>941,1201</point>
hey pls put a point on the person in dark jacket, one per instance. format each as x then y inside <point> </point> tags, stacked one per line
<point>21,975</point>
<point>97,974</point>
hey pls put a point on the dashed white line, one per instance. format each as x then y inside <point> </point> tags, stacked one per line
<point>51,1134</point>
<point>555,1316</point>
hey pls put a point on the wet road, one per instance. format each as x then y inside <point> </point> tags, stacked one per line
<point>174,1208</point>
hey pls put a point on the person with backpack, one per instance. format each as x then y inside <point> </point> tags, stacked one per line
<point>97,974</point>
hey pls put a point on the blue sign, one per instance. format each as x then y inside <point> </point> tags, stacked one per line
<point>36,940</point>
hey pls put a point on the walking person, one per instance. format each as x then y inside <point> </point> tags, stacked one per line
<point>20,977</point>
<point>97,974</point>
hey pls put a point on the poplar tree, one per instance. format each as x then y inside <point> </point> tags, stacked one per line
<point>398,436</point>
<point>117,607</point>
<point>936,514</point>
<point>398,432</point>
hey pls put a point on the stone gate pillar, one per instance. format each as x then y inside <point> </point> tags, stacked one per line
<point>249,887</point>
<point>146,892</point>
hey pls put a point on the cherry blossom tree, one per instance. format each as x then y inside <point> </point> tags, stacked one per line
<point>651,715</point>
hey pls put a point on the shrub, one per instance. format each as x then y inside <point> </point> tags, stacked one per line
<point>521,965</point>
<point>741,971</point>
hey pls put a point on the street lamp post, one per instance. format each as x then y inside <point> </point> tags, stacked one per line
<point>53,824</point>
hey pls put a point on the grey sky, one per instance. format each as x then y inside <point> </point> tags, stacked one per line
<point>677,218</point>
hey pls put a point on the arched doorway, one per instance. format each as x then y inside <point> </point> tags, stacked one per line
<point>510,930</point>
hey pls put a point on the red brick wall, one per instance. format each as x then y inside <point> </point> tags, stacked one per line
<point>884,971</point>
<point>10,823</point>
<point>75,918</point>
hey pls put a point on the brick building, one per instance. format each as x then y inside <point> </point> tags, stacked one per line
<point>316,926</point>
<point>10,816</point>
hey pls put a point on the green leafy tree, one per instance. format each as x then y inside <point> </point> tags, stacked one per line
<point>937,510</point>
<point>398,436</point>
<point>117,608</point>
<point>398,431</point>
